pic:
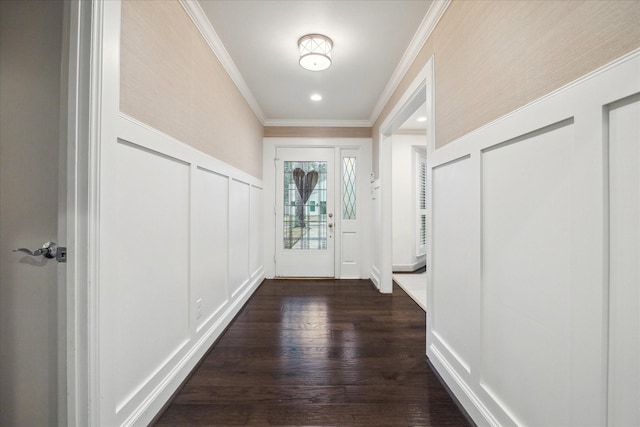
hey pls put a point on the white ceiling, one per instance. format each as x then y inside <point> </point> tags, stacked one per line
<point>370,41</point>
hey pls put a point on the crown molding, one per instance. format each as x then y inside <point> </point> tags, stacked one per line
<point>428,24</point>
<point>318,123</point>
<point>202,23</point>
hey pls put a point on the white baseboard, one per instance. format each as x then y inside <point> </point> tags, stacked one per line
<point>465,395</point>
<point>156,400</point>
<point>375,276</point>
<point>408,268</point>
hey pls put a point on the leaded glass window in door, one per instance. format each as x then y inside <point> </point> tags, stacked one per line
<point>305,205</point>
<point>349,188</point>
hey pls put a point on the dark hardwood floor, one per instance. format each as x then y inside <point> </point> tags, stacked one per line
<point>321,353</point>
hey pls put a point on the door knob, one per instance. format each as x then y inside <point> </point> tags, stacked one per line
<point>48,250</point>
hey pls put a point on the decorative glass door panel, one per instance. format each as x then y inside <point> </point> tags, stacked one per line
<point>305,205</point>
<point>304,212</point>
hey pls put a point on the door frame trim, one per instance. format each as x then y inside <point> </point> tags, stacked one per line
<point>92,111</point>
<point>74,193</point>
<point>420,90</point>
<point>270,145</point>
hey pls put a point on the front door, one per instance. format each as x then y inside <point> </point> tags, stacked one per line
<point>304,212</point>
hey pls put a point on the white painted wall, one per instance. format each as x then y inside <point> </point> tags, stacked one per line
<point>404,203</point>
<point>31,36</point>
<point>533,292</point>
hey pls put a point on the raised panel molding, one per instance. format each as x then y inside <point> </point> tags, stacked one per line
<point>349,247</point>
<point>526,224</point>
<point>209,280</point>
<point>255,233</point>
<point>453,276</point>
<point>188,232</point>
<point>239,200</point>
<point>141,211</point>
<point>624,271</point>
<point>519,294</point>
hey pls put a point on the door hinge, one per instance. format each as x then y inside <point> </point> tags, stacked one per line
<point>274,259</point>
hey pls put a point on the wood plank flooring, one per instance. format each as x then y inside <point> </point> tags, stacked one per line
<point>322,353</point>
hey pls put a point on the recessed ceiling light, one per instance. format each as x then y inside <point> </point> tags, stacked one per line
<point>421,119</point>
<point>316,97</point>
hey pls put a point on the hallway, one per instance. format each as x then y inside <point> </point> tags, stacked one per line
<point>318,352</point>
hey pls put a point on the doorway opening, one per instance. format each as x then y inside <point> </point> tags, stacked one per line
<point>408,211</point>
<point>417,101</point>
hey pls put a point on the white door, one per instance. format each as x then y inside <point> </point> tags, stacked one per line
<point>305,212</point>
<point>31,296</point>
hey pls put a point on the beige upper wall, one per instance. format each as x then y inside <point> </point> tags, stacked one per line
<point>492,57</point>
<point>171,80</point>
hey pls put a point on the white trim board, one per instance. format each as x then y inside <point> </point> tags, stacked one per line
<point>408,268</point>
<point>420,91</point>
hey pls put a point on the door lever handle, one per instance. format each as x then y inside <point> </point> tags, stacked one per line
<point>48,250</point>
<point>37,252</point>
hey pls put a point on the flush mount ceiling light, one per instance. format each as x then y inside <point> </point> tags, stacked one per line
<point>315,52</point>
<point>316,97</point>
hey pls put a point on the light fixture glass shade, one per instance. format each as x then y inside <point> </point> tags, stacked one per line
<point>315,52</point>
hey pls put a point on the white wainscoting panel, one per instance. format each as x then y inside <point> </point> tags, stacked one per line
<point>526,224</point>
<point>209,254</point>
<point>624,261</point>
<point>153,256</point>
<point>177,231</point>
<point>239,216</point>
<point>533,299</point>
<point>255,232</point>
<point>454,279</point>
